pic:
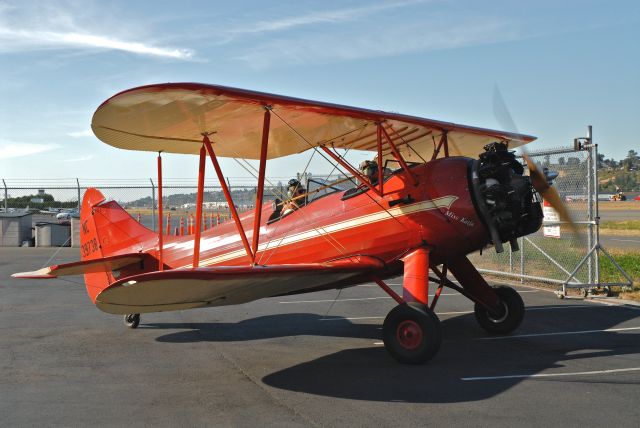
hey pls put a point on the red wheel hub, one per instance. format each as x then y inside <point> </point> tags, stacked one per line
<point>409,334</point>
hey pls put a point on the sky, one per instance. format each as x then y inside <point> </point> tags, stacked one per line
<point>559,66</point>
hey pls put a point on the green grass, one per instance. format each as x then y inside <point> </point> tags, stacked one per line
<point>569,256</point>
<point>621,225</point>
<point>628,260</point>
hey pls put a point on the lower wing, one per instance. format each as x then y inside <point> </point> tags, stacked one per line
<point>179,289</point>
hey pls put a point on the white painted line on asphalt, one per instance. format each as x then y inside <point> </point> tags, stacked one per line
<point>612,304</point>
<point>370,298</point>
<point>535,288</point>
<point>350,318</point>
<point>379,318</point>
<point>544,308</point>
<point>339,300</point>
<point>559,333</point>
<point>625,240</point>
<point>399,283</point>
<point>527,376</point>
<point>356,299</point>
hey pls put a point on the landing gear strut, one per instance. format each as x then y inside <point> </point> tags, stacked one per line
<point>411,331</point>
<point>132,320</point>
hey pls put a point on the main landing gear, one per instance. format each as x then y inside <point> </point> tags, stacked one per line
<point>508,316</point>
<point>411,331</point>
<point>132,320</point>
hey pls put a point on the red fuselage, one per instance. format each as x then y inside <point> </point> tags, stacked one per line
<point>437,212</point>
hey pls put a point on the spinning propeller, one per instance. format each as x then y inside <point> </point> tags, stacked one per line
<point>539,179</point>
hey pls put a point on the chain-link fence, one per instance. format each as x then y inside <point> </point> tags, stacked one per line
<point>556,253</point>
<point>553,254</point>
<point>48,198</point>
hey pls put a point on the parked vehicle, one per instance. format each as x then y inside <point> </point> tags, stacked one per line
<point>67,215</point>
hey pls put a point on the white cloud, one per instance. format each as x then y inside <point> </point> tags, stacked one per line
<point>390,40</point>
<point>80,134</point>
<point>326,17</point>
<point>75,26</point>
<point>79,159</point>
<point>14,150</point>
<point>35,39</point>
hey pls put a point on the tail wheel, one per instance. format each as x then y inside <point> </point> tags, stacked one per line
<point>412,334</point>
<point>509,316</point>
<point>132,320</point>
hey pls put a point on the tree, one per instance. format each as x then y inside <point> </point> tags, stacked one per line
<point>611,163</point>
<point>573,161</point>
<point>632,162</point>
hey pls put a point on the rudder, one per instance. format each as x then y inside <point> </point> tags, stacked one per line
<point>106,229</point>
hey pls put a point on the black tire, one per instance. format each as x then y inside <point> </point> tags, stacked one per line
<point>132,320</point>
<point>412,334</point>
<point>512,312</point>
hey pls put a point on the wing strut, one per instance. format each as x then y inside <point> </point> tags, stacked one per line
<point>199,199</point>
<point>397,155</point>
<point>351,169</point>
<point>160,242</point>
<point>227,195</point>
<point>443,141</point>
<point>380,166</point>
<point>263,163</point>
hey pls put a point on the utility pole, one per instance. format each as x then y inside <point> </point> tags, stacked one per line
<point>6,196</point>
<point>153,205</point>
<point>79,203</point>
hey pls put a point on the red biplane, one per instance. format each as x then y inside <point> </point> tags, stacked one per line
<point>440,203</point>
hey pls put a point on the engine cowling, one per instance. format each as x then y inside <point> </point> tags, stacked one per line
<point>507,202</point>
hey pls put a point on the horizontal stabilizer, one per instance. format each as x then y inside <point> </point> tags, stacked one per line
<point>105,264</point>
<point>180,289</point>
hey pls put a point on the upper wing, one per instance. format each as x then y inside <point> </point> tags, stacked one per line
<point>179,289</point>
<point>104,264</point>
<point>173,117</point>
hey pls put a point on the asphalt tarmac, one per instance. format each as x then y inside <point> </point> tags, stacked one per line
<point>305,361</point>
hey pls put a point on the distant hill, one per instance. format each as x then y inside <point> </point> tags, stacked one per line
<point>609,178</point>
<point>241,197</point>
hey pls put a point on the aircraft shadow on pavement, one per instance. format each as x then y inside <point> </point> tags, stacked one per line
<point>266,327</point>
<point>371,374</point>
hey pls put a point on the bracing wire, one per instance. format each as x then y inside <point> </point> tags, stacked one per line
<point>352,179</point>
<point>321,231</point>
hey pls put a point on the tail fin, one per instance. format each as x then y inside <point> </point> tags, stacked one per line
<point>106,229</point>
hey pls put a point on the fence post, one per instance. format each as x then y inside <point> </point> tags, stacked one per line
<point>590,185</point>
<point>510,259</point>
<point>153,205</point>
<point>522,260</point>
<point>6,196</point>
<point>596,217</point>
<point>78,183</point>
